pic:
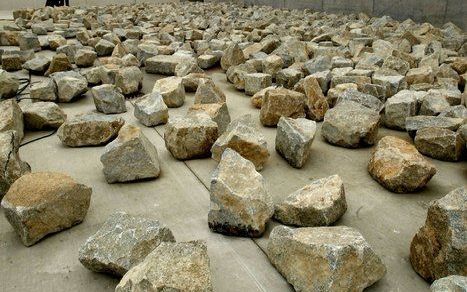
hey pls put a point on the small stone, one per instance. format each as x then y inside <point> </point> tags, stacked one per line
<point>433,104</point>
<point>130,60</point>
<point>37,65</point>
<point>192,80</point>
<point>402,105</point>
<point>232,56</point>
<point>130,157</point>
<point>294,138</point>
<point>218,112</point>
<point>236,74</point>
<point>11,62</point>
<point>288,77</point>
<point>191,136</point>
<point>257,99</point>
<point>42,203</point>
<point>163,64</point>
<point>108,99</point>
<point>438,248</point>
<point>240,203</point>
<point>255,82</point>
<point>42,115</point>
<point>56,41</point>
<point>350,125</point>
<point>85,58</point>
<point>321,203</point>
<point>456,111</point>
<point>151,110</point>
<point>187,67</point>
<point>453,283</point>
<point>29,41</point>
<point>9,84</point>
<point>316,103</point>
<point>172,91</point>
<point>11,164</point>
<point>208,92</point>
<point>129,80</point>
<point>70,85</point>
<point>11,118</point>
<point>208,61</point>
<point>104,48</point>
<point>44,90</point>
<point>122,242</point>
<point>59,63</point>
<point>89,129</point>
<point>438,143</point>
<point>399,167</point>
<point>331,258</point>
<point>243,136</point>
<point>281,102</point>
<point>272,64</point>
<point>413,124</point>
<point>182,266</point>
<point>364,99</point>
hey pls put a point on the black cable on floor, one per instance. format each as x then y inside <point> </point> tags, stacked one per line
<point>39,138</point>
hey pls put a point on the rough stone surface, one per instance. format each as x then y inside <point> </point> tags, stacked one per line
<point>454,283</point>
<point>129,80</point>
<point>164,65</point>
<point>42,203</point>
<point>316,103</point>
<point>70,85</point>
<point>400,106</point>
<point>37,65</point>
<point>44,90</point>
<point>59,63</point>
<point>439,247</point>
<point>130,157</point>
<point>172,91</point>
<point>151,110</point>
<point>281,102</point>
<point>11,118</point>
<point>399,167</point>
<point>232,56</point>
<point>438,143</point>
<point>85,58</point>
<point>413,124</point>
<point>208,92</point>
<point>240,203</point>
<point>182,266</point>
<point>42,115</point>
<point>255,82</point>
<point>218,112</point>
<point>324,258</point>
<point>243,136</point>
<point>294,138</point>
<point>9,84</point>
<point>89,129</point>
<point>122,242</point>
<point>108,99</point>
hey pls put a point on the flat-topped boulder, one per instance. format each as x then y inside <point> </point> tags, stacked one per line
<point>172,91</point>
<point>281,102</point>
<point>108,99</point>
<point>163,64</point>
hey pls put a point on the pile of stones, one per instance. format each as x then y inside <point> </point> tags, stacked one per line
<point>345,75</point>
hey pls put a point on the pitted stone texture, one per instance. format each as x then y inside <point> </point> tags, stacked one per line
<point>129,80</point>
<point>294,138</point>
<point>172,91</point>
<point>218,112</point>
<point>243,136</point>
<point>316,103</point>
<point>85,58</point>
<point>191,136</point>
<point>413,124</point>
<point>320,203</point>
<point>255,82</point>
<point>182,266</point>
<point>350,125</point>
<point>59,63</point>
<point>44,90</point>
<point>324,258</point>
<point>42,203</point>
<point>399,167</point>
<point>439,247</point>
<point>438,143</point>
<point>151,110</point>
<point>281,102</point>
<point>9,84</point>
<point>122,242</point>
<point>89,129</point>
<point>130,157</point>
<point>208,92</point>
<point>240,203</point>
<point>397,108</point>
<point>70,85</point>
<point>454,283</point>
<point>108,99</point>
<point>11,118</point>
<point>232,56</point>
<point>42,115</point>
<point>164,65</point>
<point>367,100</point>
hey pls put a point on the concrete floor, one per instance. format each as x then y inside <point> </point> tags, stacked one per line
<point>180,199</point>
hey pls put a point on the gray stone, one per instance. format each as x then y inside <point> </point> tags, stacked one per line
<point>108,99</point>
<point>236,74</point>
<point>29,41</point>
<point>433,104</point>
<point>232,56</point>
<point>129,80</point>
<point>151,110</point>
<point>11,118</point>
<point>218,112</point>
<point>85,58</point>
<point>42,115</point>
<point>104,48</point>
<point>9,84</point>
<point>130,157</point>
<point>44,90</point>
<point>456,111</point>
<point>364,99</point>
<point>438,143</point>
<point>453,283</point>
<point>240,203</point>
<point>69,85</point>
<point>255,82</point>
<point>37,65</point>
<point>288,77</point>
<point>413,124</point>
<point>402,105</point>
<point>164,65</point>
<point>208,92</point>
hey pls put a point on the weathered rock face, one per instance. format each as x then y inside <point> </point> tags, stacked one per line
<point>11,118</point>
<point>281,102</point>
<point>236,74</point>
<point>243,136</point>
<point>399,167</point>
<point>209,92</point>
<point>442,144</point>
<point>151,110</point>
<point>130,157</point>
<point>438,249</point>
<point>10,162</point>
<point>129,79</point>
<point>37,65</point>
<point>367,100</point>
<point>89,129</point>
<point>413,124</point>
<point>324,258</point>
<point>9,84</point>
<point>172,91</point>
<point>108,99</point>
<point>59,63</point>
<point>232,56</point>
<point>122,242</point>
<point>294,138</point>
<point>399,107</point>
<point>45,90</point>
<point>182,266</point>
<point>42,115</point>
<point>70,84</point>
<point>255,82</point>
<point>350,125</point>
<point>240,203</point>
<point>320,203</point>
<point>163,64</point>
<point>454,283</point>
<point>104,48</point>
<point>192,80</point>
<point>85,58</point>
<point>316,103</point>
<point>432,104</point>
<point>42,203</point>
<point>191,136</point>
<point>218,112</point>
<point>257,99</point>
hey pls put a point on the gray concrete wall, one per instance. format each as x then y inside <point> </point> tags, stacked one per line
<point>436,12</point>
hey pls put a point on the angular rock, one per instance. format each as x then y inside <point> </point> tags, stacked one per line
<point>192,80</point>
<point>350,125</point>
<point>69,85</point>
<point>364,99</point>
<point>438,143</point>
<point>11,118</point>
<point>122,242</point>
<point>236,74</point>
<point>232,56</point>
<point>151,110</point>
<point>11,62</point>
<point>59,63</point>
<point>433,104</point>
<point>257,99</point>
<point>42,115</point>
<point>218,112</point>
<point>243,136</point>
<point>438,248</point>
<point>129,80</point>
<point>255,82</point>
<point>108,99</point>
<point>41,203</point>
<point>104,48</point>
<point>325,258</point>
<point>320,203</point>
<point>191,136</point>
<point>240,203</point>
<point>316,103</point>
<point>413,124</point>
<point>281,102</point>
<point>37,65</point>
<point>131,156</point>
<point>288,77</point>
<point>9,84</point>
<point>89,129</point>
<point>208,92</point>
<point>29,41</point>
<point>450,283</point>
<point>172,91</point>
<point>399,107</point>
<point>272,64</point>
<point>399,167</point>
<point>163,64</point>
<point>182,266</point>
<point>294,138</point>
<point>85,58</point>
<point>44,90</point>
